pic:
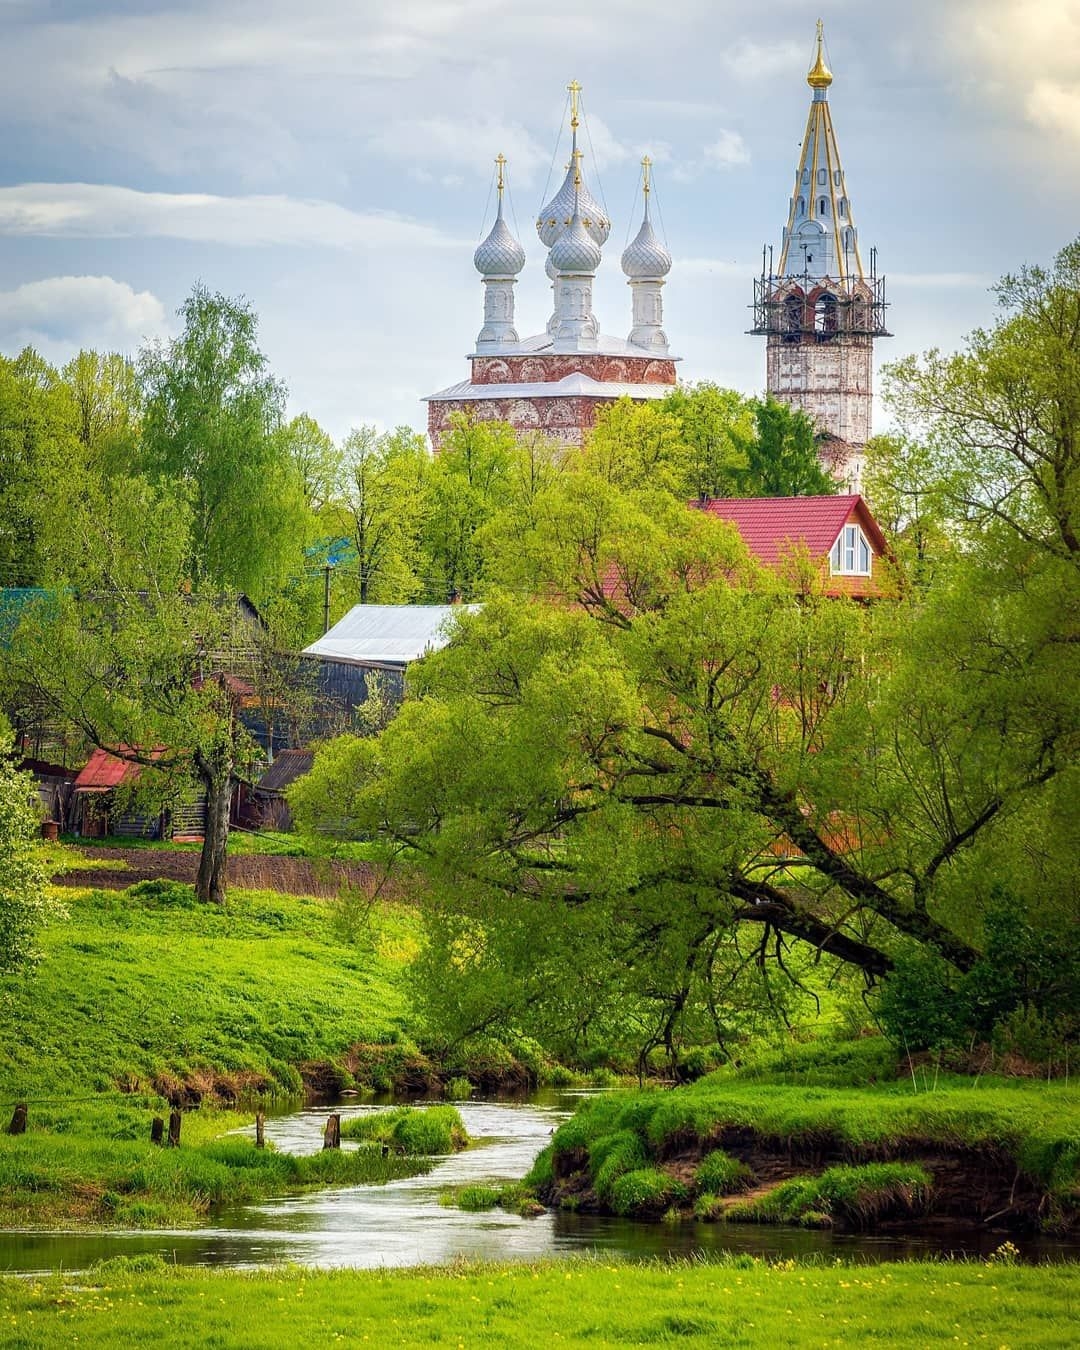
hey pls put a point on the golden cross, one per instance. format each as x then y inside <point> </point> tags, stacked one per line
<point>575,90</point>
<point>646,165</point>
<point>500,161</point>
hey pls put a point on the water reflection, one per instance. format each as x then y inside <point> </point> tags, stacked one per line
<point>403,1224</point>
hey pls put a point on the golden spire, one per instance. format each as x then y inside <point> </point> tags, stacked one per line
<point>819,75</point>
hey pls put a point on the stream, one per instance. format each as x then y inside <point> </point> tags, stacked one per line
<point>402,1222</point>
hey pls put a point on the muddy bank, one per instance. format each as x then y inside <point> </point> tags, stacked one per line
<point>291,876</point>
<point>978,1185</point>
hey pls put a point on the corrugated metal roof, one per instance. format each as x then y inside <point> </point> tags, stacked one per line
<point>771,526</point>
<point>104,771</point>
<point>286,768</point>
<point>574,385</point>
<point>386,634</point>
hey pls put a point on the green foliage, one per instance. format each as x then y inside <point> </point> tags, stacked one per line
<point>721,1174</point>
<point>212,421</point>
<point>477,1198</point>
<point>26,900</point>
<point>858,1195</point>
<point>427,1131</point>
<point>782,460</point>
<point>612,1156</point>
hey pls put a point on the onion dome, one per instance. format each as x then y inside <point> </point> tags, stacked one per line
<point>500,254</point>
<point>554,219</point>
<point>575,251</point>
<point>819,75</point>
<point>645,257</point>
<point>551,270</point>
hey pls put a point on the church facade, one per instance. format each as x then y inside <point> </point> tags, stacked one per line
<point>554,383</point>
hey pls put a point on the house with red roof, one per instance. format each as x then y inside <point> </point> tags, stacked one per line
<point>838,536</point>
<point>103,802</point>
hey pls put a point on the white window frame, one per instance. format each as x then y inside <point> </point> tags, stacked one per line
<point>851,555</point>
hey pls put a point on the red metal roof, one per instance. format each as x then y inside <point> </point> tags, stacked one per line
<point>772,526</point>
<point>105,771</point>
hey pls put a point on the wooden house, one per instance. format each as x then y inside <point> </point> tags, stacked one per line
<point>837,536</point>
<point>104,803</point>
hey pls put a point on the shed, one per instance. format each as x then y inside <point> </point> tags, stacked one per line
<point>383,638</point>
<point>268,807</point>
<point>102,805</point>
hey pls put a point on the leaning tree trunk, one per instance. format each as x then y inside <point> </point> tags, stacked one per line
<point>215,773</point>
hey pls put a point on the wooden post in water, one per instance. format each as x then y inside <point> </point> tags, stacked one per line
<point>18,1120</point>
<point>157,1131</point>
<point>174,1129</point>
<point>260,1138</point>
<point>332,1137</point>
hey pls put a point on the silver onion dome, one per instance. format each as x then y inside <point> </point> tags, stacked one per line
<point>500,254</point>
<point>554,218</point>
<point>645,258</point>
<point>575,250</point>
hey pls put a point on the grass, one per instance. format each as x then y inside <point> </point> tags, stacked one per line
<point>133,990</point>
<point>429,1131</point>
<point>858,1195</point>
<point>738,1302</point>
<point>56,1178</point>
<point>1031,1126</point>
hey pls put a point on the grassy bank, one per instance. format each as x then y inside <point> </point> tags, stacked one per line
<point>1006,1151</point>
<point>106,1173</point>
<point>737,1303</point>
<point>144,991</point>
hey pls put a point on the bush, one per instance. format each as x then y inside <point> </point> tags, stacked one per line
<point>648,1189</point>
<point>858,1195</point>
<point>163,893</point>
<point>477,1198</point>
<point>458,1090</point>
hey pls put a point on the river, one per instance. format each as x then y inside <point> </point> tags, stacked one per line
<point>402,1223</point>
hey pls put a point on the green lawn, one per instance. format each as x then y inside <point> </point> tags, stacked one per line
<point>736,1303</point>
<point>134,989</point>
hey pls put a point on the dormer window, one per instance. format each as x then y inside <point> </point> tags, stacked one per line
<point>851,555</point>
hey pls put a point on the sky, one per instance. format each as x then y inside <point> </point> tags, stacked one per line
<point>331,161</point>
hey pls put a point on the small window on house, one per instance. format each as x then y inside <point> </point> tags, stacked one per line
<point>823,206</point>
<point>806,175</point>
<point>850,556</point>
<point>802,206</point>
<point>836,177</point>
<point>822,176</point>
<point>843,206</point>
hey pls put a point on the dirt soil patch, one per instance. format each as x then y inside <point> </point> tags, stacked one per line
<point>291,876</point>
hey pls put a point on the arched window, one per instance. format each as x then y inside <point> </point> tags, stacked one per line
<point>843,206</point>
<point>823,206</point>
<point>802,206</point>
<point>836,177</point>
<point>825,315</point>
<point>806,175</point>
<point>822,177</point>
<point>793,318</point>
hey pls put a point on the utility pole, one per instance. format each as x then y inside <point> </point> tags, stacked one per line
<point>328,567</point>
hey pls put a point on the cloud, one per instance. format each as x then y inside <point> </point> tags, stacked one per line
<point>60,314</point>
<point>442,143</point>
<point>946,281</point>
<point>95,211</point>
<point>765,60</point>
<point>728,150</point>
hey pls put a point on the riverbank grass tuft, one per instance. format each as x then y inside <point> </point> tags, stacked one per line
<point>427,1131</point>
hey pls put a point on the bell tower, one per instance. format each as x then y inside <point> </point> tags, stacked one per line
<point>819,310</point>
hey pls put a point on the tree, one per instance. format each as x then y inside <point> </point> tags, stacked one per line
<point>107,402</point>
<point>782,460</point>
<point>25,901</point>
<point>381,505</point>
<point>143,668</point>
<point>212,423</point>
<point>467,485</point>
<point>717,427</point>
<point>317,461</point>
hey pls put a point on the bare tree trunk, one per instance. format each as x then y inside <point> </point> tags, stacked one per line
<point>211,882</point>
